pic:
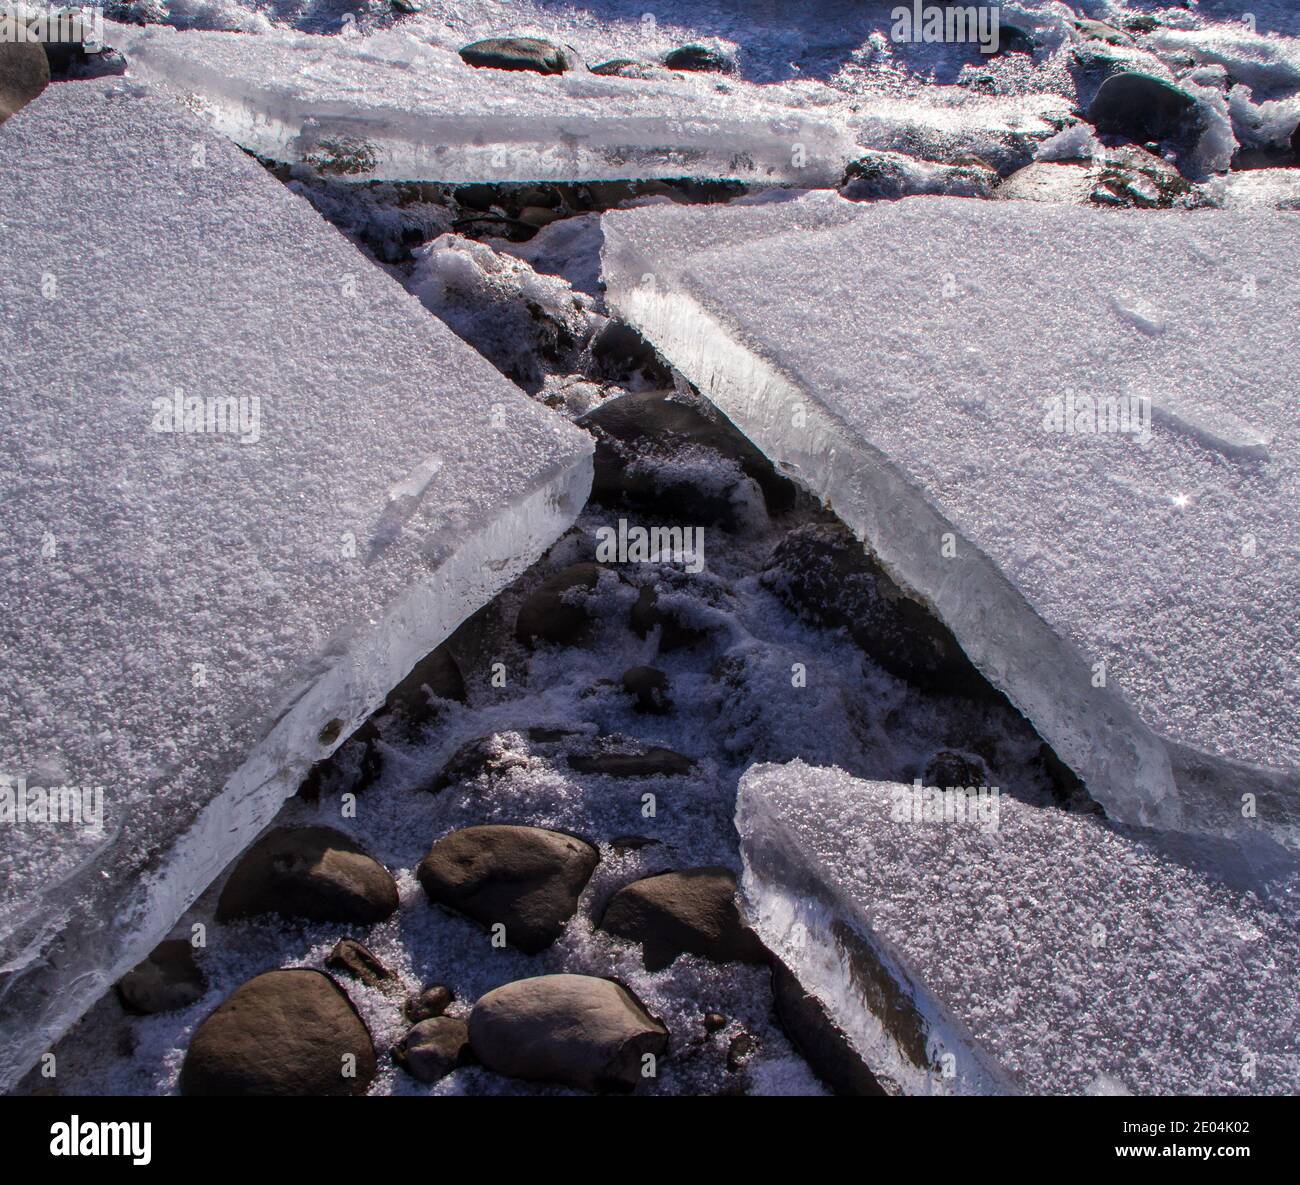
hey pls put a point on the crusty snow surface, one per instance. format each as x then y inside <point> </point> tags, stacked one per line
<point>945,334</point>
<point>1078,956</point>
<point>191,620</point>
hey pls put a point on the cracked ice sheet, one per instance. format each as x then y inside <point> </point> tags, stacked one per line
<point>902,360</point>
<point>191,621</point>
<point>1052,953</point>
<point>405,109</point>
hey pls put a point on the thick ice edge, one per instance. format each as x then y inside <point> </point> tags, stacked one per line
<point>1045,953</point>
<point>146,253</point>
<point>812,398</point>
<point>393,108</point>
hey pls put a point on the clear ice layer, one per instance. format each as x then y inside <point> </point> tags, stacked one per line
<point>202,598</point>
<point>1030,950</point>
<point>391,107</point>
<point>1071,432</point>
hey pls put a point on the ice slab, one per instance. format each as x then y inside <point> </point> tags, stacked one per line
<point>1023,949</point>
<point>926,366</point>
<point>391,107</point>
<point>192,618</point>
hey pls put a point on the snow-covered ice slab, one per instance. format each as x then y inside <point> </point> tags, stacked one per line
<point>391,107</point>
<point>928,366</point>
<point>1024,949</point>
<point>191,619</point>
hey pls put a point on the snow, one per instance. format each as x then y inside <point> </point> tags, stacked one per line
<point>905,362</point>
<point>193,619</point>
<point>1049,953</point>
<point>394,107</point>
<point>735,702</point>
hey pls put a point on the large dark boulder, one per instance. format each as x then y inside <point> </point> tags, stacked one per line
<point>24,73</point>
<point>314,873</point>
<point>283,1033</point>
<point>824,575</point>
<point>525,878</point>
<point>520,53</point>
<point>1144,108</point>
<point>577,1030</point>
<point>700,57</point>
<point>689,912</point>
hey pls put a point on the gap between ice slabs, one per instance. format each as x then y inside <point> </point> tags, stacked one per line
<point>251,483</point>
<point>1006,948</point>
<point>1073,433</point>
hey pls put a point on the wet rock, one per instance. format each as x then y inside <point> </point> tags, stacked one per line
<point>1066,183</point>
<point>631,843</point>
<point>167,980</point>
<point>647,615</point>
<point>477,195</point>
<point>1144,108</point>
<point>1012,39</point>
<point>878,175</point>
<point>1067,788</point>
<point>64,43</point>
<point>434,1048</point>
<point>823,1044</point>
<point>631,761</point>
<point>1100,31</point>
<point>741,1048</point>
<point>620,354</point>
<point>315,873</point>
<point>525,878</point>
<point>546,736</point>
<point>490,757</point>
<point>689,912</point>
<point>1126,177</point>
<point>649,687</point>
<point>949,768</point>
<point>353,766</point>
<point>437,676</point>
<point>578,1030</point>
<point>351,958</point>
<point>283,1033</point>
<point>700,57</point>
<point>24,73</point>
<point>1295,142</point>
<point>408,7</point>
<point>634,431</point>
<point>520,53</point>
<point>432,1001</point>
<point>714,1022</point>
<point>626,68</point>
<point>823,574</point>
<point>553,613</point>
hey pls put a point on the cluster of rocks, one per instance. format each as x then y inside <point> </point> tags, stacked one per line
<point>545,57</point>
<point>296,1031</point>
